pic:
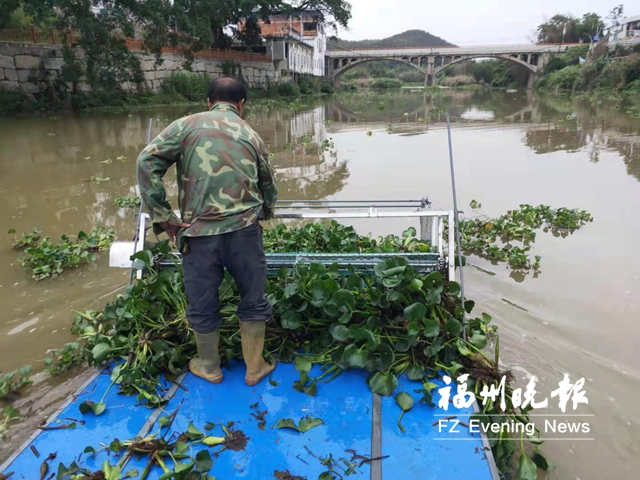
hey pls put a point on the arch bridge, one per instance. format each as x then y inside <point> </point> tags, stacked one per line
<point>432,60</point>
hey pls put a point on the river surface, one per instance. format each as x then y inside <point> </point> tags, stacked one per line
<point>579,316</point>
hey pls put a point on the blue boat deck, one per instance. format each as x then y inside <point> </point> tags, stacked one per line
<point>355,423</point>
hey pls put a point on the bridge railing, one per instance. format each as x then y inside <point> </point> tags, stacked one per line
<point>627,42</point>
<point>136,44</point>
<point>35,35</point>
<point>524,48</point>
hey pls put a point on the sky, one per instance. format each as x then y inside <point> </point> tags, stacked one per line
<point>468,22</point>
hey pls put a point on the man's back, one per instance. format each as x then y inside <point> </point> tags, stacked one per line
<point>223,172</point>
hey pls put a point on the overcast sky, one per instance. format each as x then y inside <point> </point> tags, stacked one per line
<point>467,22</point>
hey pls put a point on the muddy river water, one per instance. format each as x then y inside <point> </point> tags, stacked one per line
<point>579,316</point>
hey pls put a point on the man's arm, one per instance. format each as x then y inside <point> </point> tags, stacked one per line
<point>266,182</point>
<point>153,163</point>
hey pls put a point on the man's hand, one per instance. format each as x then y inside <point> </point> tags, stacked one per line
<point>172,228</point>
<point>265,214</point>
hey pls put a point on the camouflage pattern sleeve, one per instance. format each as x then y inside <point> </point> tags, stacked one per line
<point>266,182</point>
<point>153,163</point>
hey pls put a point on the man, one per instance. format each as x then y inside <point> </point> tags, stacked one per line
<point>225,183</point>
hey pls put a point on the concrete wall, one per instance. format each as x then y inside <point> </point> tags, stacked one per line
<point>27,68</point>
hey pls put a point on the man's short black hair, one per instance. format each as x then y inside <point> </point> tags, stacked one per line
<point>226,89</point>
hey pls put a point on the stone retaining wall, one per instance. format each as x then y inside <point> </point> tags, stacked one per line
<point>27,67</point>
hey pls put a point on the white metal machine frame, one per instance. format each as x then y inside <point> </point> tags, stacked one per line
<point>431,228</point>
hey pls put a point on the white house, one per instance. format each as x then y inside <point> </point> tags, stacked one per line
<point>629,28</point>
<point>297,44</point>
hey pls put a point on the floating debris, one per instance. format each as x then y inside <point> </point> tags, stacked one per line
<point>100,179</point>
<point>236,440</point>
<point>273,383</point>
<point>259,415</point>
<point>304,425</point>
<point>286,475</point>
<point>405,402</point>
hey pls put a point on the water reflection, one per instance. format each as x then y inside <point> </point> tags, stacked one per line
<point>307,165</point>
<point>47,164</point>
<point>475,114</point>
<point>580,126</point>
<point>551,124</point>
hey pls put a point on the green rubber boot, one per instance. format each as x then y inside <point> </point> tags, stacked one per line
<point>207,364</point>
<point>252,336</point>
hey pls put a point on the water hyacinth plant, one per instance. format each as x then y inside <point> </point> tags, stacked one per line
<point>47,259</point>
<point>12,382</point>
<point>127,202</point>
<point>493,238</point>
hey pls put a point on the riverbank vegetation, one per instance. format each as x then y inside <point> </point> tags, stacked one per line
<point>179,88</point>
<point>613,73</point>
<point>383,72</point>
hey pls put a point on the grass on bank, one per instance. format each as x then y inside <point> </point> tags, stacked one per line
<point>615,75</point>
<point>179,88</point>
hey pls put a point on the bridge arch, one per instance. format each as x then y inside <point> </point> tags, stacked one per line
<point>512,58</point>
<point>533,68</point>
<point>337,72</point>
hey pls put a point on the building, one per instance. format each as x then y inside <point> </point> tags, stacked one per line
<point>297,43</point>
<point>629,28</point>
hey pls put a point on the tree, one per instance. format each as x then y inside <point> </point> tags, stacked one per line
<point>212,23</point>
<point>553,30</point>
<point>568,29</point>
<point>7,9</point>
<point>590,25</point>
<point>194,24</point>
<point>191,25</point>
<point>250,35</point>
<point>483,70</point>
<point>614,17</point>
<point>330,12</point>
<point>506,74</point>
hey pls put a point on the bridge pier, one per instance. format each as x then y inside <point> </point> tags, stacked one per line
<point>429,80</point>
<point>532,80</point>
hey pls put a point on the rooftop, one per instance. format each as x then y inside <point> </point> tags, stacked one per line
<point>302,13</point>
<point>624,21</point>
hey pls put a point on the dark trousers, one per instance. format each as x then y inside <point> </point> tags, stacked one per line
<point>204,260</point>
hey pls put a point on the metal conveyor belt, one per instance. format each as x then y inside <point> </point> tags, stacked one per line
<point>360,262</point>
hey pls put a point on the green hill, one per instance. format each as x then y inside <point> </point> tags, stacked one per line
<point>410,38</point>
